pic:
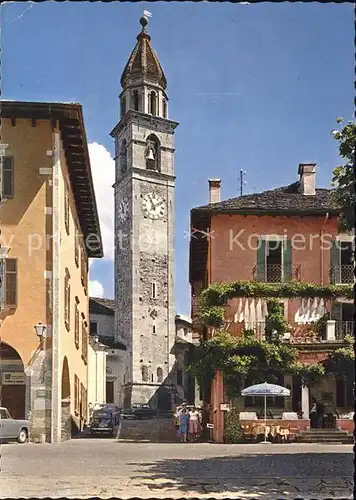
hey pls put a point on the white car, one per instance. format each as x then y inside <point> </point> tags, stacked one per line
<point>11,428</point>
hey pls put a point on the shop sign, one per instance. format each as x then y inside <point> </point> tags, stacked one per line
<point>13,378</point>
<point>210,426</point>
<point>224,407</point>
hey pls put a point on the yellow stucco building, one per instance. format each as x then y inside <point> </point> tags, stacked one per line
<point>49,228</point>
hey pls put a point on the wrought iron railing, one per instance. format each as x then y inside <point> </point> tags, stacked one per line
<point>341,274</point>
<point>275,273</point>
<point>343,328</point>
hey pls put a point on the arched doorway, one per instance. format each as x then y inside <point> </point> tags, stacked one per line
<point>65,380</point>
<point>66,420</point>
<point>13,382</point>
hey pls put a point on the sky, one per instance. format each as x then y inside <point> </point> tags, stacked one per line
<point>254,87</point>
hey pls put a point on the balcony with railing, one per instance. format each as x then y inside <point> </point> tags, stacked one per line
<point>343,328</point>
<point>342,274</point>
<point>275,273</point>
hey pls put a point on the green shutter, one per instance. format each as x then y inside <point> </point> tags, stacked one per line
<point>261,259</point>
<point>336,311</point>
<point>335,263</point>
<point>287,260</point>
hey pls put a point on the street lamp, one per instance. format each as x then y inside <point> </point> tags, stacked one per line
<point>40,331</point>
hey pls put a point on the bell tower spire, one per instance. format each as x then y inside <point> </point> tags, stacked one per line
<point>143,80</point>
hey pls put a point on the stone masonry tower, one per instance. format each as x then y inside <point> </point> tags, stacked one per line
<point>144,228</point>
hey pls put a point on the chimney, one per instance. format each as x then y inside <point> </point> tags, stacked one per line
<point>307,178</point>
<point>214,190</point>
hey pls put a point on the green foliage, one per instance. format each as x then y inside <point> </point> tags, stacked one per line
<point>310,374</point>
<point>276,325</point>
<point>232,430</point>
<point>341,362</point>
<point>212,316</point>
<point>241,358</point>
<point>215,298</point>
<point>320,325</point>
<point>344,177</point>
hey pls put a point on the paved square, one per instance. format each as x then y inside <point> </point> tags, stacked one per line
<point>107,468</point>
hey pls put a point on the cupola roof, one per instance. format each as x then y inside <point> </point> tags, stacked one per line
<point>143,60</point>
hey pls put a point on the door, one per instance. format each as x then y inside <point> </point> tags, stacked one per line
<point>110,392</point>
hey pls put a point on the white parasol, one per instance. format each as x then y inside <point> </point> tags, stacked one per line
<point>265,390</point>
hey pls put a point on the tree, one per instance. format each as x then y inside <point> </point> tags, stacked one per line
<point>343,179</point>
<point>341,362</point>
<point>241,359</point>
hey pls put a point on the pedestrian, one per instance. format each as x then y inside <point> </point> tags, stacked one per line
<point>194,423</point>
<point>313,416</point>
<point>183,425</point>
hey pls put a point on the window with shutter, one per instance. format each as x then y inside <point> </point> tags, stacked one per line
<point>76,246</point>
<point>76,327</point>
<point>66,208</point>
<point>67,299</point>
<point>335,262</point>
<point>7,177</point>
<point>10,288</point>
<point>261,260</point>
<point>287,260</point>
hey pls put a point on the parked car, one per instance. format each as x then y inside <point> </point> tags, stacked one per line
<point>11,428</point>
<point>113,409</point>
<point>139,411</point>
<point>103,422</point>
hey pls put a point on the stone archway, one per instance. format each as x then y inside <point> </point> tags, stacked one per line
<point>65,379</point>
<point>13,382</point>
<point>66,420</point>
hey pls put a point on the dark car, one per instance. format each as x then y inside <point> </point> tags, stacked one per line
<point>103,422</point>
<point>139,411</point>
<point>113,409</point>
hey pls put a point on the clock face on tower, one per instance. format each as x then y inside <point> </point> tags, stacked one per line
<point>123,209</point>
<point>153,206</point>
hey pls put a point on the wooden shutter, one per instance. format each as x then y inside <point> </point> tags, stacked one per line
<point>287,260</point>
<point>10,288</point>
<point>336,311</point>
<point>261,260</point>
<point>335,263</point>
<point>8,177</point>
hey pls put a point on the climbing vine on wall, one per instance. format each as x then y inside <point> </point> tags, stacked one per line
<point>242,358</point>
<point>214,299</point>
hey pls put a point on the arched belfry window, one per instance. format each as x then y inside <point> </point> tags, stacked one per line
<point>152,103</point>
<point>164,104</point>
<point>135,97</point>
<point>122,106</point>
<point>144,372</point>
<point>152,153</point>
<point>123,156</point>
<point>159,375</point>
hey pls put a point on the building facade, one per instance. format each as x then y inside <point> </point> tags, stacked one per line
<point>107,363</point>
<point>286,234</point>
<point>49,229</point>
<point>144,228</point>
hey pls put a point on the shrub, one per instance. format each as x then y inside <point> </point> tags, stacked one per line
<point>233,431</point>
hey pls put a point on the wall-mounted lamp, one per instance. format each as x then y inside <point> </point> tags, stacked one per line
<point>40,331</point>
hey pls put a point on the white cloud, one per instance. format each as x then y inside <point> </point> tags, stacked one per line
<point>96,289</point>
<point>103,172</point>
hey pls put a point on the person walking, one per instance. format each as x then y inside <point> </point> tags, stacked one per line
<point>194,423</point>
<point>183,425</point>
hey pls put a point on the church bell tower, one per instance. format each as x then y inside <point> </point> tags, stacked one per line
<point>144,228</point>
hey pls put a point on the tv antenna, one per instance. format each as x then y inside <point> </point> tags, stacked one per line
<point>242,182</point>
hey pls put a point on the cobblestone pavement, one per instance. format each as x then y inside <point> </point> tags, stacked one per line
<point>107,468</point>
